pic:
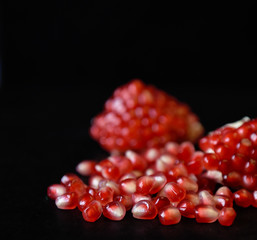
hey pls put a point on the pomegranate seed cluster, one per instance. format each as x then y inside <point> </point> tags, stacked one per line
<point>154,169</point>
<point>167,183</point>
<point>138,116</point>
<point>232,151</point>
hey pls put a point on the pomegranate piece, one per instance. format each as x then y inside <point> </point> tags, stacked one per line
<point>93,211</point>
<point>84,200</point>
<point>188,184</point>
<point>144,209</point>
<point>232,150</point>
<point>67,201</point>
<point>104,195</point>
<point>124,200</point>
<point>161,202</point>
<point>169,215</point>
<point>77,186</point>
<point>114,210</point>
<point>223,201</point>
<point>138,116</point>
<point>206,214</point>
<point>174,192</point>
<point>227,216</point>
<point>55,190</point>
<point>243,198</point>
<point>186,208</point>
<point>128,186</point>
<point>144,184</point>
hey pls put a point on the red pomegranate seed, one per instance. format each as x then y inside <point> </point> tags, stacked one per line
<point>222,201</point>
<point>187,208</point>
<point>68,178</point>
<point>55,190</point>
<point>84,200</point>
<point>160,202</point>
<point>169,215</point>
<point>224,191</point>
<point>122,163</point>
<point>233,179</point>
<point>125,200</point>
<point>77,186</point>
<point>172,148</point>
<point>206,214</point>
<point>93,211</point>
<point>86,167</point>
<point>243,198</point>
<point>254,201</point>
<point>185,152</point>
<point>94,181</point>
<point>104,195</point>
<point>159,182</point>
<point>188,184</point>
<point>206,198</point>
<point>67,201</point>
<point>138,162</point>
<point>144,184</point>
<point>195,165</point>
<point>227,216</point>
<point>144,209</point>
<point>128,186</point>
<point>249,181</point>
<point>193,197</point>
<point>165,162</point>
<point>174,192</point>
<point>244,147</point>
<point>111,173</point>
<point>210,161</point>
<point>111,184</point>
<point>136,197</point>
<point>114,210</point>
<point>151,154</point>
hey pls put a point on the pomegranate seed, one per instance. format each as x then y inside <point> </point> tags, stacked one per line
<point>227,216</point>
<point>122,163</point>
<point>193,197</point>
<point>244,147</point>
<point>172,148</point>
<point>249,181</point>
<point>254,201</point>
<point>111,184</point>
<point>211,161</point>
<point>169,215</point>
<point>84,200</point>
<point>187,208</point>
<point>67,201</point>
<point>86,168</point>
<point>77,186</point>
<point>93,211</point>
<point>174,192</point>
<point>128,186</point>
<point>55,190</point>
<point>206,198</point>
<point>206,214</point>
<point>144,209</point>
<point>125,200</point>
<point>111,173</point>
<point>160,202</point>
<point>136,197</point>
<point>185,152</point>
<point>159,182</point>
<point>114,210</point>
<point>222,201</point>
<point>243,198</point>
<point>104,195</point>
<point>68,178</point>
<point>144,184</point>
<point>188,184</point>
<point>195,165</point>
<point>138,162</point>
<point>224,191</point>
<point>94,181</point>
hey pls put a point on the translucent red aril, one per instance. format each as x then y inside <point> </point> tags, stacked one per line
<point>128,186</point>
<point>224,191</point>
<point>86,167</point>
<point>67,201</point>
<point>195,165</point>
<point>254,201</point>
<point>138,162</point>
<point>122,163</point>
<point>185,151</point>
<point>205,198</point>
<point>222,201</point>
<point>93,211</point>
<point>126,200</point>
<point>136,197</point>
<point>187,184</point>
<point>211,161</point>
<point>68,178</point>
<point>243,198</point>
<point>159,182</point>
<point>144,118</point>
<point>84,200</point>
<point>161,202</point>
<point>206,214</point>
<point>227,216</point>
<point>144,184</point>
<point>104,195</point>
<point>174,192</point>
<point>144,209</point>
<point>187,208</point>
<point>169,215</point>
<point>55,190</point>
<point>114,211</point>
<point>77,186</point>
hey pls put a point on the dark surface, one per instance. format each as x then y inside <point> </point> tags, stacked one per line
<point>62,60</point>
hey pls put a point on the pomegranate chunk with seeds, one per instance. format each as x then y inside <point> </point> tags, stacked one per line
<point>138,116</point>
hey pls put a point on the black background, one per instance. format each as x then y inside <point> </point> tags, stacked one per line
<point>63,59</point>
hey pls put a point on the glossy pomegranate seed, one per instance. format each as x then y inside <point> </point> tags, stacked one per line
<point>77,186</point>
<point>68,178</point>
<point>144,184</point>
<point>224,191</point>
<point>94,181</point>
<point>161,202</point>
<point>111,184</point>
<point>144,118</point>
<point>104,195</point>
<point>128,186</point>
<point>195,165</point>
<point>114,210</point>
<point>187,208</point>
<point>244,147</point>
<point>122,163</point>
<point>193,197</point>
<point>187,184</point>
<point>159,182</point>
<point>138,162</point>
<point>67,201</point>
<point>169,215</point>
<point>254,201</point>
<point>144,209</point>
<point>227,216</point>
<point>86,167</point>
<point>174,192</point>
<point>165,162</point>
<point>211,161</point>
<point>249,181</point>
<point>84,200</point>
<point>172,148</point>
<point>55,190</point>
<point>93,211</point>
<point>222,201</point>
<point>205,198</point>
<point>206,214</point>
<point>185,152</point>
<point>243,198</point>
<point>136,197</point>
<point>125,200</point>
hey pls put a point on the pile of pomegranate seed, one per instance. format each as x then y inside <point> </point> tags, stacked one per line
<point>154,169</point>
<point>139,116</point>
<point>170,182</point>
